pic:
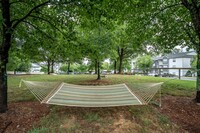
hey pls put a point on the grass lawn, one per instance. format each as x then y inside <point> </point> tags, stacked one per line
<point>117,119</point>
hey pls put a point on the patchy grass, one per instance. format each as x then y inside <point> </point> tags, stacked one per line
<point>39,130</point>
<point>150,120</point>
<point>103,120</point>
<point>92,117</point>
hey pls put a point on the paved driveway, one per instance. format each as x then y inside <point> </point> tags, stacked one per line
<point>188,78</point>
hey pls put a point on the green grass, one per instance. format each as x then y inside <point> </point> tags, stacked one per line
<point>179,87</point>
<point>15,93</point>
<point>91,117</point>
<point>173,87</point>
<point>140,118</point>
<point>150,119</point>
<point>39,130</point>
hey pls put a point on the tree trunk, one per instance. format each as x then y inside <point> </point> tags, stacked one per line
<point>195,16</point>
<point>194,10</point>
<point>7,30</point>
<point>52,66</point>
<point>68,68</point>
<point>48,67</point>
<point>121,60</point>
<point>3,88</point>
<point>15,72</point>
<point>96,66</point>
<point>5,46</point>
<point>198,76</point>
<point>98,71</point>
<point>115,67</point>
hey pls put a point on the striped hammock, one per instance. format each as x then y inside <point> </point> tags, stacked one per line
<point>90,96</point>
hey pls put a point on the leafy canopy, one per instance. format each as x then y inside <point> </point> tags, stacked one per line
<point>144,63</point>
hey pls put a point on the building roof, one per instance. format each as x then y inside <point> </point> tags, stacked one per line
<point>188,54</point>
<point>158,58</point>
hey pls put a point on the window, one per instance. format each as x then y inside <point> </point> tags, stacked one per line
<point>165,66</point>
<point>164,60</point>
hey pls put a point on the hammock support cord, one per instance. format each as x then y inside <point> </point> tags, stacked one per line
<point>91,96</point>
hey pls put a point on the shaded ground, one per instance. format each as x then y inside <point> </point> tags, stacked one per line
<point>183,111</point>
<point>21,116</point>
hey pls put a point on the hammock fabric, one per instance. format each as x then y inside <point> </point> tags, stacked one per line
<point>89,96</point>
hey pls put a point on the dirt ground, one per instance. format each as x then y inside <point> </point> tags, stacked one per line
<point>21,116</point>
<point>183,111</point>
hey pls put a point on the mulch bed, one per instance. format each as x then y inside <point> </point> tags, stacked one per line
<point>22,116</point>
<point>183,111</point>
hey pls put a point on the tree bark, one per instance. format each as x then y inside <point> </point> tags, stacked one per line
<point>98,71</point>
<point>7,31</point>
<point>15,72</point>
<point>3,72</point>
<point>52,66</point>
<point>68,68</point>
<point>3,88</point>
<point>96,66</point>
<point>198,76</point>
<point>115,67</point>
<point>48,67</point>
<point>4,48</point>
<point>194,9</point>
<point>121,56</point>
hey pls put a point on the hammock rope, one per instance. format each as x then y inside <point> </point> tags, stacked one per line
<point>92,96</point>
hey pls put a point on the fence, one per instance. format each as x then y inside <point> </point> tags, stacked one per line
<point>168,72</point>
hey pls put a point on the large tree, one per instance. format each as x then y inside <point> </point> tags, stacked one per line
<point>20,16</point>
<point>98,22</point>
<point>97,46</point>
<point>126,45</point>
<point>193,7</point>
<point>144,63</point>
<point>18,62</point>
<point>131,37</point>
<point>18,19</point>
<point>13,13</point>
<point>175,22</point>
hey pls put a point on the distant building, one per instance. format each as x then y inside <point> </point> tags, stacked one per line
<point>133,65</point>
<point>173,60</point>
<point>178,59</point>
<point>36,69</point>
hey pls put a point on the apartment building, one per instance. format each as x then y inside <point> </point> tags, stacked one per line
<point>173,60</point>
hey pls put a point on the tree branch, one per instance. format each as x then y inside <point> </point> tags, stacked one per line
<point>165,8</point>
<point>118,51</point>
<point>17,2</point>
<point>191,38</point>
<point>194,2</point>
<point>47,16</point>
<point>186,3</point>
<point>35,27</point>
<point>188,32</point>
<point>14,20</point>
<point>29,13</point>
<point>45,20</point>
